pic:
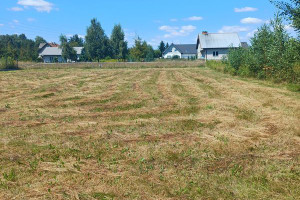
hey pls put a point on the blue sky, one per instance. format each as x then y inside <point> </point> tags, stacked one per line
<point>174,21</point>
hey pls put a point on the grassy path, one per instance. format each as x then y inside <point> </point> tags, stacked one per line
<point>154,133</point>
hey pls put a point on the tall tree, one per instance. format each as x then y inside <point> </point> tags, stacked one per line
<point>38,40</point>
<point>167,45</point>
<point>150,54</point>
<point>76,41</point>
<point>68,52</point>
<point>139,51</point>
<point>118,43</point>
<point>291,10</point>
<point>96,42</point>
<point>162,47</point>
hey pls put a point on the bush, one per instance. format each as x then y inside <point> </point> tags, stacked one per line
<point>216,65</point>
<point>7,63</point>
<point>175,57</point>
<point>244,71</point>
<point>273,55</point>
<point>39,59</point>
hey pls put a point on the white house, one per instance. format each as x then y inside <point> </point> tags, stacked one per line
<point>52,53</point>
<point>183,51</point>
<point>215,46</point>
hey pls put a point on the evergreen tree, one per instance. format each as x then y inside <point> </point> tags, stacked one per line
<point>162,47</point>
<point>118,43</point>
<point>167,45</point>
<point>96,41</point>
<point>139,51</point>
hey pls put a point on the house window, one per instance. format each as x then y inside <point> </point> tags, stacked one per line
<point>215,53</point>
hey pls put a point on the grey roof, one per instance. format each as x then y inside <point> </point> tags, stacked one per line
<point>56,51</point>
<point>183,48</point>
<point>219,40</point>
<point>186,48</point>
<point>42,45</point>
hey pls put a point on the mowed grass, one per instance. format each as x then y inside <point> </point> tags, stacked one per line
<point>154,133</point>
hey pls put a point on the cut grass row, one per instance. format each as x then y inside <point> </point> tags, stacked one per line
<point>146,134</point>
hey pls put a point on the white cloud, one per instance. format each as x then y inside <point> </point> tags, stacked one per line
<point>251,34</point>
<point>155,42</point>
<point>289,27</point>
<point>1,25</point>
<point>173,20</point>
<point>231,29</point>
<point>173,31</point>
<point>16,21</point>
<point>39,5</point>
<point>251,20</point>
<point>245,9</point>
<point>16,9</point>
<point>30,19</point>
<point>194,18</point>
<point>168,28</point>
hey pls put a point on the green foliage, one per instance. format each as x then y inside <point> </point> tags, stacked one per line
<point>162,47</point>
<point>18,47</point>
<point>157,53</point>
<point>175,57</point>
<point>291,10</point>
<point>96,42</point>
<point>140,50</point>
<point>76,41</point>
<point>118,43</point>
<point>8,63</point>
<point>218,66</point>
<point>150,54</point>
<point>11,176</point>
<point>68,52</point>
<point>273,55</point>
<point>167,45</point>
<point>38,40</point>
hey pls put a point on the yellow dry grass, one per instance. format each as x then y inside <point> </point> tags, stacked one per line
<point>146,133</point>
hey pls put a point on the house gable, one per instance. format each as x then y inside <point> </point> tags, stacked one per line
<point>169,49</point>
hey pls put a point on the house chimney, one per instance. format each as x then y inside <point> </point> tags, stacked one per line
<point>204,33</point>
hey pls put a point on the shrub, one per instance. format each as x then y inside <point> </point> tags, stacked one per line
<point>244,71</point>
<point>216,65</point>
<point>273,55</point>
<point>175,57</point>
<point>7,63</point>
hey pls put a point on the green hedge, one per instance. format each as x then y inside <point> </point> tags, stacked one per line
<point>7,63</point>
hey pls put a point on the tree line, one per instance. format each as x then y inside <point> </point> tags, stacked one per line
<point>96,46</point>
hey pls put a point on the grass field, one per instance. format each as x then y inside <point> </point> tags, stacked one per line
<point>153,133</point>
